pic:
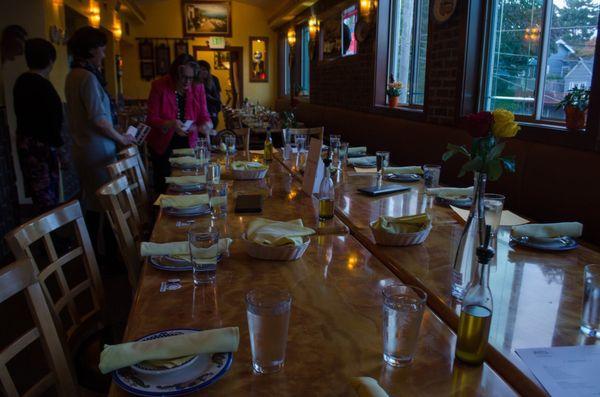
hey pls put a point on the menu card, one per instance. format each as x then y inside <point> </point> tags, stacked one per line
<point>139,133</point>
<point>565,371</point>
<point>508,218</point>
<point>314,170</point>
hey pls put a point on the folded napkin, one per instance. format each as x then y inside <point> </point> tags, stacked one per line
<point>357,151</point>
<point>186,180</point>
<point>403,170</point>
<point>276,233</point>
<point>187,200</point>
<point>365,161</point>
<point>184,152</point>
<point>402,224</point>
<point>177,249</point>
<point>247,166</point>
<point>450,192</point>
<point>185,160</point>
<point>126,354</point>
<point>367,387</point>
<point>548,230</point>
<point>223,148</point>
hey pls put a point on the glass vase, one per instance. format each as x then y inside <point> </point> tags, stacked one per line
<point>465,260</point>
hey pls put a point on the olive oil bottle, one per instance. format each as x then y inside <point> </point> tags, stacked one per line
<point>268,150</point>
<point>476,312</point>
<point>326,193</point>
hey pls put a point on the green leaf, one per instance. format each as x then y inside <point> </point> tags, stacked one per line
<point>454,149</point>
<point>494,170</point>
<point>472,165</point>
<point>496,151</point>
<point>509,163</point>
<point>448,154</point>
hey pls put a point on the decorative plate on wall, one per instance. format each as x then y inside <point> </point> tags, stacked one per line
<point>443,9</point>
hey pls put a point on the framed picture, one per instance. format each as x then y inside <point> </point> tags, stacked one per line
<point>181,47</point>
<point>259,60</point>
<point>206,18</point>
<point>163,59</point>
<point>146,49</point>
<point>222,60</point>
<point>147,70</point>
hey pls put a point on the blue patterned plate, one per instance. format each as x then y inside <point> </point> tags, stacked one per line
<point>546,244</point>
<point>203,371</point>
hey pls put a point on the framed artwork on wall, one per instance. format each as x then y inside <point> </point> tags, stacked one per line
<point>259,60</point>
<point>206,18</point>
<point>222,60</point>
<point>147,70</point>
<point>163,59</point>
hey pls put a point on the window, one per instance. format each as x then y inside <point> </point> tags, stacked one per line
<point>349,43</point>
<point>408,48</point>
<point>537,51</point>
<point>304,61</point>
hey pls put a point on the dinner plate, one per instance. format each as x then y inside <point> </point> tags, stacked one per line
<point>191,187</point>
<point>563,243</point>
<point>196,210</point>
<point>173,264</point>
<point>403,177</point>
<point>201,372</point>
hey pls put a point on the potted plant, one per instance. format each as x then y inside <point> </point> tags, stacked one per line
<point>575,104</point>
<point>393,92</point>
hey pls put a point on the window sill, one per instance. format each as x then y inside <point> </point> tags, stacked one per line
<point>405,112</point>
<point>552,134</point>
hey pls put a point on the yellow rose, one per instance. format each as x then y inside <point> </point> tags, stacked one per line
<point>503,116</point>
<point>505,130</point>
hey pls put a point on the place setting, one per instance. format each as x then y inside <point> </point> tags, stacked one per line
<point>547,237</point>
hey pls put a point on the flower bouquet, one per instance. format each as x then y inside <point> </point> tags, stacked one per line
<point>393,92</point>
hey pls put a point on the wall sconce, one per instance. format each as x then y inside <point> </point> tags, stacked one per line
<point>367,8</point>
<point>58,3</point>
<point>94,16</point>
<point>291,37</point>
<point>313,27</point>
<point>117,33</point>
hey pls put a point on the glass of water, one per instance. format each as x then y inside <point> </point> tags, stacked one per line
<point>403,308</point>
<point>590,317</point>
<point>203,239</point>
<point>300,141</point>
<point>334,146</point>
<point>268,311</point>
<point>344,154</point>
<point>494,204</point>
<point>217,194</point>
<point>214,173</point>
<point>431,175</point>
<point>383,160</point>
<point>229,147</point>
<point>287,143</point>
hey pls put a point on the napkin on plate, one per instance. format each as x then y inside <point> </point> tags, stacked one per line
<point>366,161</point>
<point>277,233</point>
<point>185,160</point>
<point>449,192</point>
<point>357,151</point>
<point>402,224</point>
<point>247,166</point>
<point>212,341</point>
<point>548,230</point>
<point>186,180</point>
<point>223,148</point>
<point>177,249</point>
<point>184,152</point>
<point>367,387</point>
<point>403,170</point>
<point>183,201</point>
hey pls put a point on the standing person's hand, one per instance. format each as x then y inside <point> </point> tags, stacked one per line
<point>179,128</point>
<point>126,140</point>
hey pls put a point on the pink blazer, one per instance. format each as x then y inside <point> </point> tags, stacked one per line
<point>162,106</point>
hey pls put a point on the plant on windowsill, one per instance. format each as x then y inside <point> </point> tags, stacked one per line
<point>575,105</point>
<point>393,92</point>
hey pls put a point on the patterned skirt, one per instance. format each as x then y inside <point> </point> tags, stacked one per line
<point>40,167</point>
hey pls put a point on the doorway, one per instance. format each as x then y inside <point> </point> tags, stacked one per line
<point>227,66</point>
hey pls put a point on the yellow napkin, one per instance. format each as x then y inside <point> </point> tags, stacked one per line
<point>276,233</point>
<point>403,224</point>
<point>183,201</point>
<point>223,148</point>
<point>247,166</point>
<point>178,249</point>
<point>548,230</point>
<point>403,170</point>
<point>357,151</point>
<point>184,152</point>
<point>186,180</point>
<point>366,161</point>
<point>185,160</point>
<point>367,387</point>
<point>449,192</point>
<point>212,341</point>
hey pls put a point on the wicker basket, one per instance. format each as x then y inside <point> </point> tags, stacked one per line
<point>249,174</point>
<point>281,253</point>
<point>399,240</point>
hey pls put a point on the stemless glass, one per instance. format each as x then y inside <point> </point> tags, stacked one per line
<point>268,311</point>
<point>403,307</point>
<point>203,239</point>
<point>214,173</point>
<point>217,194</point>
<point>431,175</point>
<point>334,147</point>
<point>494,204</point>
<point>287,143</point>
<point>229,148</point>
<point>383,160</point>
<point>590,316</point>
<point>344,154</point>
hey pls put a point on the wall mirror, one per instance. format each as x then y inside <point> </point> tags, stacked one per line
<point>259,60</point>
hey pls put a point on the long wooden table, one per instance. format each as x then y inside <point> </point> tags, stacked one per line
<point>537,296</point>
<point>335,326</point>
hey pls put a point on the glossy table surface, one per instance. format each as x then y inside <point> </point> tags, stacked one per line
<point>335,325</point>
<point>537,296</point>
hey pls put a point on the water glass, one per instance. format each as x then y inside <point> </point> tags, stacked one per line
<point>383,160</point>
<point>268,311</point>
<point>590,316</point>
<point>214,173</point>
<point>203,240</point>
<point>287,143</point>
<point>431,175</point>
<point>344,154</point>
<point>300,143</point>
<point>403,308</point>
<point>494,204</point>
<point>334,147</point>
<point>217,194</point>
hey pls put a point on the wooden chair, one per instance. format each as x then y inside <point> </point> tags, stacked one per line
<point>21,277</point>
<point>133,151</point>
<point>131,168</point>
<point>242,135</point>
<point>118,203</point>
<point>315,132</point>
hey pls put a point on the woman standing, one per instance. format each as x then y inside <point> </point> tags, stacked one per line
<point>91,114</point>
<point>39,122</point>
<point>212,88</point>
<point>173,100</point>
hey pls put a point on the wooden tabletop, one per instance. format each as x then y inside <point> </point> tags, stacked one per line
<point>335,325</point>
<point>537,296</point>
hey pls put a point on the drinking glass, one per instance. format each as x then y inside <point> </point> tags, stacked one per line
<point>300,143</point>
<point>229,147</point>
<point>203,239</point>
<point>268,311</point>
<point>590,316</point>
<point>403,307</point>
<point>334,147</point>
<point>287,143</point>
<point>214,173</point>
<point>494,204</point>
<point>344,154</point>
<point>217,194</point>
<point>383,159</point>
<point>431,175</point>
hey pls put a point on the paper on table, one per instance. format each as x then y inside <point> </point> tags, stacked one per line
<point>508,218</point>
<point>365,170</point>
<point>565,371</point>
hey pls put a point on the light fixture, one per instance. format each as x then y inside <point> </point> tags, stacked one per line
<point>94,15</point>
<point>532,34</point>
<point>58,3</point>
<point>291,37</point>
<point>366,8</point>
<point>117,32</point>
<point>313,27</point>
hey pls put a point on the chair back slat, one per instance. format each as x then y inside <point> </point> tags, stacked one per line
<point>134,151</point>
<point>131,168</point>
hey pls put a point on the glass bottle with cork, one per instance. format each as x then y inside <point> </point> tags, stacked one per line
<point>476,312</point>
<point>268,149</point>
<point>326,192</point>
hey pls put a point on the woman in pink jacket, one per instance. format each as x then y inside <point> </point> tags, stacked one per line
<point>175,99</point>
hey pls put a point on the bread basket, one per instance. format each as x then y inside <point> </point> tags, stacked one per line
<point>276,253</point>
<point>249,174</point>
<point>382,237</point>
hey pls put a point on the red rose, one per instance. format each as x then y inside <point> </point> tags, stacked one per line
<point>479,124</point>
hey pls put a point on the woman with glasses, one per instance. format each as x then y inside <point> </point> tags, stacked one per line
<point>175,102</point>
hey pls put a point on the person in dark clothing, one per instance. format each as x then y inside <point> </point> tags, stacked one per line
<point>39,114</point>
<point>212,88</point>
